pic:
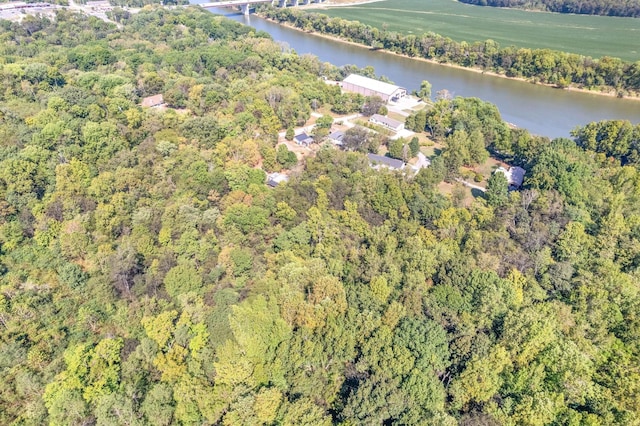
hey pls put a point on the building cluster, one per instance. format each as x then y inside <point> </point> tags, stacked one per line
<point>367,87</point>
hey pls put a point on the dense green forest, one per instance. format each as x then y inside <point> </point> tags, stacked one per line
<point>629,8</point>
<point>546,66</point>
<point>149,276</point>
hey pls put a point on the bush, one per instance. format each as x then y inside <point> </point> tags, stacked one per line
<point>290,134</point>
<point>286,158</point>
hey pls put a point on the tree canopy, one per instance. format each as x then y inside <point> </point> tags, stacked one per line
<point>148,275</point>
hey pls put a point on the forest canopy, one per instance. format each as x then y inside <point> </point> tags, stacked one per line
<point>148,275</point>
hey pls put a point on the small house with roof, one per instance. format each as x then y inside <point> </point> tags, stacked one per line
<point>303,139</point>
<point>377,161</point>
<point>336,137</point>
<point>275,179</point>
<point>514,175</point>
<point>386,122</point>
<point>152,101</point>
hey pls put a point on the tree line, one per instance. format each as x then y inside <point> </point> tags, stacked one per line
<point>149,276</point>
<point>546,66</point>
<point>629,8</point>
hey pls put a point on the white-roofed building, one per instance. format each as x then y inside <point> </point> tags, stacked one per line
<point>387,122</point>
<point>515,176</point>
<point>370,87</point>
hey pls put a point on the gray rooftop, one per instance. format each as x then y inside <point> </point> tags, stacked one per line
<point>394,124</point>
<point>517,176</point>
<point>302,137</point>
<point>274,179</point>
<point>337,135</point>
<point>392,163</point>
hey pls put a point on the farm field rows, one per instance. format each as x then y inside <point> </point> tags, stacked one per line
<point>594,36</point>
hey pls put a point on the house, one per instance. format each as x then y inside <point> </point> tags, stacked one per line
<point>152,101</point>
<point>336,137</point>
<point>99,4</point>
<point>369,87</point>
<point>514,175</point>
<point>377,161</point>
<point>303,139</point>
<point>275,179</point>
<point>387,122</point>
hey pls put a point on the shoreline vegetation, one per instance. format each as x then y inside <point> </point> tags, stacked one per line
<point>612,69</point>
<point>613,8</point>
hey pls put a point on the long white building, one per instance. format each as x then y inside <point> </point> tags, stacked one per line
<point>369,87</point>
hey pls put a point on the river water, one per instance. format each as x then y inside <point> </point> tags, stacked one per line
<point>542,110</point>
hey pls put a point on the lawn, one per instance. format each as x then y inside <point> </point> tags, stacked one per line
<point>594,36</point>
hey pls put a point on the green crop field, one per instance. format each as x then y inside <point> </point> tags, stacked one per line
<point>594,36</point>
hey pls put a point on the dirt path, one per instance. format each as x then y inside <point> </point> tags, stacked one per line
<point>470,185</point>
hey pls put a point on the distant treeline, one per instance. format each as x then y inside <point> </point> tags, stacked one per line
<point>629,8</point>
<point>545,66</point>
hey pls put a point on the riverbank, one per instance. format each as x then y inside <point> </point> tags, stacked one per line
<point>611,93</point>
<point>338,3</point>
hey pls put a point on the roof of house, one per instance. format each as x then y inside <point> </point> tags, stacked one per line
<point>302,137</point>
<point>385,161</point>
<point>274,179</point>
<point>386,120</point>
<point>337,136</point>
<point>371,84</point>
<point>515,175</point>
<point>154,100</point>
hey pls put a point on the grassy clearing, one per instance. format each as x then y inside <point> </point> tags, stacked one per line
<point>396,116</point>
<point>488,167</point>
<point>594,36</point>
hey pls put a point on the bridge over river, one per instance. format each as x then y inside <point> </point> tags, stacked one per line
<point>245,5</point>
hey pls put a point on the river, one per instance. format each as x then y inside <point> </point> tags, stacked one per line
<point>542,110</point>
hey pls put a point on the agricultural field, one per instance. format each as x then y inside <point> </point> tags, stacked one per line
<point>594,36</point>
